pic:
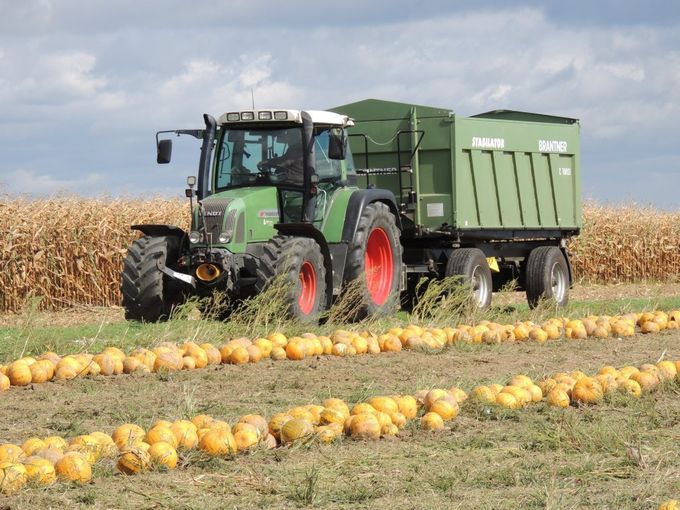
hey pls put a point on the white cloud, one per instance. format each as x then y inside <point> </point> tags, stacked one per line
<point>82,77</point>
<point>32,182</point>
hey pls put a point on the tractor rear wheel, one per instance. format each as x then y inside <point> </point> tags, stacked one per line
<point>547,276</point>
<point>149,295</point>
<point>470,264</point>
<point>298,263</point>
<point>374,261</point>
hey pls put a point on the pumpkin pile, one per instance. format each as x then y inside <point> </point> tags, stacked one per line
<point>43,461</point>
<point>170,357</point>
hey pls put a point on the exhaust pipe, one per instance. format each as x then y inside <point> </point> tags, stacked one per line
<point>208,272</point>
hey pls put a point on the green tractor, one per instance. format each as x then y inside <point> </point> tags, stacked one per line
<point>276,196</point>
<point>491,199</point>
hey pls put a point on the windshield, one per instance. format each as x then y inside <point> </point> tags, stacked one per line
<point>252,157</point>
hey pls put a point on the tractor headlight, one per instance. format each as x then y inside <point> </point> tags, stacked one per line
<point>194,237</point>
<point>225,237</point>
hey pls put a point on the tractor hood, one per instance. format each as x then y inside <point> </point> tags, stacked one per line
<point>239,216</point>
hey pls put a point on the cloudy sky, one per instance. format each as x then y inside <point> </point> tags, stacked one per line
<point>85,85</point>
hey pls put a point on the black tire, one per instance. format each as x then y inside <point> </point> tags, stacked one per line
<point>547,276</point>
<point>374,216</point>
<point>470,264</point>
<point>148,295</point>
<point>287,256</point>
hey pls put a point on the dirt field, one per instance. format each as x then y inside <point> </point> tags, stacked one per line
<point>620,454</point>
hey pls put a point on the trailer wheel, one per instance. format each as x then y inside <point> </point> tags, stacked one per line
<point>547,276</point>
<point>374,261</point>
<point>471,265</point>
<point>148,295</point>
<point>298,261</point>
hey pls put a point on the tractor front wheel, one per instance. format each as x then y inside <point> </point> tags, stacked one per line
<point>297,264</point>
<point>149,295</point>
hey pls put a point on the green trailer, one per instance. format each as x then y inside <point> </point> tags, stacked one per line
<point>374,193</point>
<point>502,182</point>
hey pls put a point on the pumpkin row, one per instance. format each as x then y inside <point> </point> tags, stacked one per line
<point>169,356</point>
<point>41,461</point>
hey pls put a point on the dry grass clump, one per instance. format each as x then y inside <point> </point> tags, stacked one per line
<point>70,250</point>
<point>627,243</point>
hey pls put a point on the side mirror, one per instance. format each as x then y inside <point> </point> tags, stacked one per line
<point>164,151</point>
<point>337,144</point>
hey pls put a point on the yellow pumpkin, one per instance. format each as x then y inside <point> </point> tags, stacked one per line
<point>19,373</point>
<point>507,400</point>
<point>74,467</point>
<point>246,436</point>
<point>447,409</point>
<point>631,387</point>
<point>4,382</point>
<point>484,395</point>
<point>202,421</point>
<point>218,442</point>
<point>185,432</point>
<point>587,390</point>
<point>11,453</point>
<point>128,434</point>
<point>408,406</point>
<point>33,445</point>
<point>295,429</point>
<point>671,504</point>
<point>384,404</point>
<point>163,454</point>
<point>276,422</point>
<point>13,477</point>
<point>337,405</point>
<point>56,442</point>
<point>646,380</point>
<point>161,433</point>
<point>167,360</point>
<point>40,471</point>
<point>667,370</point>
<point>558,398</point>
<point>432,421</point>
<point>107,448</point>
<point>133,460</point>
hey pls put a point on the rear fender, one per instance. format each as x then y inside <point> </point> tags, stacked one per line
<point>355,207</point>
<point>308,230</point>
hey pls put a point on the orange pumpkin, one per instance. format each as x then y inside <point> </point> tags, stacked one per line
<point>74,467</point>
<point>587,390</point>
<point>432,421</point>
<point>218,442</point>
<point>19,373</point>
<point>365,426</point>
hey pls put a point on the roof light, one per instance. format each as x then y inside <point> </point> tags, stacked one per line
<point>247,116</point>
<point>233,116</point>
<point>281,115</point>
<point>264,115</point>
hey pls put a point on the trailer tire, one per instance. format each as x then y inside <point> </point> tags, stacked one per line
<point>547,276</point>
<point>148,296</point>
<point>374,261</point>
<point>299,262</point>
<point>470,264</point>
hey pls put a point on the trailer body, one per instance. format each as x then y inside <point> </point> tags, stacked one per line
<point>500,175</point>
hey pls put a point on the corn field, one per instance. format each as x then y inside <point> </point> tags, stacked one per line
<point>70,250</point>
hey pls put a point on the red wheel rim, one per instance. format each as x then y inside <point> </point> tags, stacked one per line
<point>379,266</point>
<point>307,288</point>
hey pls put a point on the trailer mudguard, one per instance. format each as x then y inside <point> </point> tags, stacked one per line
<point>309,230</point>
<point>355,207</point>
